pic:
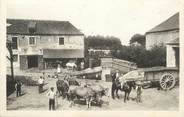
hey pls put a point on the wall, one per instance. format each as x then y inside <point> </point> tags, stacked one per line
<point>44,41</point>
<point>122,65</point>
<point>171,56</point>
<point>71,42</point>
<point>160,37</point>
<point>23,62</point>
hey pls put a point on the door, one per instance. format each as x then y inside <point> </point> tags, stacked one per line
<point>32,61</point>
<point>177,57</point>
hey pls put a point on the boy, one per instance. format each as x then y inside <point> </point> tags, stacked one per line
<point>52,96</point>
<point>139,92</point>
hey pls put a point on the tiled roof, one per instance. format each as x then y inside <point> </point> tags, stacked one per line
<point>171,23</point>
<point>45,27</point>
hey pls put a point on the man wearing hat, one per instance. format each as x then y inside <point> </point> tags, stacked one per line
<point>115,82</point>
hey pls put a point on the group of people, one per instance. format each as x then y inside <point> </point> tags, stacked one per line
<point>116,81</point>
<point>53,96</point>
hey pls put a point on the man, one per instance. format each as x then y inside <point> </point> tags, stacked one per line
<point>43,75</point>
<point>52,96</point>
<point>18,86</point>
<point>139,92</point>
<point>58,69</point>
<point>40,84</point>
<point>115,81</point>
<point>66,79</point>
<point>82,65</point>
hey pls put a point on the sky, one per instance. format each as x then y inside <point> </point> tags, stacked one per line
<point>119,18</point>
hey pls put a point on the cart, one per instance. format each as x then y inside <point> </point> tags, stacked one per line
<point>164,77</point>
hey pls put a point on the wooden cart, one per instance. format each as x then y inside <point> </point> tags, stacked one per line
<point>165,77</point>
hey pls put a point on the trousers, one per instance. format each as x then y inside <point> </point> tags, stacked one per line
<point>51,104</point>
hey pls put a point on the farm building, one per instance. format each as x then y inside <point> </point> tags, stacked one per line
<point>164,32</point>
<point>43,44</point>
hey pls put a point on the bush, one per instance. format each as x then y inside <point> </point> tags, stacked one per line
<point>144,58</point>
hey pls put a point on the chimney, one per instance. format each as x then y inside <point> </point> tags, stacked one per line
<point>32,27</point>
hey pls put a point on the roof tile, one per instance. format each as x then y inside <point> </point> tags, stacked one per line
<point>171,23</point>
<point>21,26</point>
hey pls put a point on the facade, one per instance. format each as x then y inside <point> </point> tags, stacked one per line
<point>163,33</point>
<point>44,44</point>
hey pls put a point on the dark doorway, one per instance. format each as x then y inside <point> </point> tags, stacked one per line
<point>32,61</point>
<point>177,57</point>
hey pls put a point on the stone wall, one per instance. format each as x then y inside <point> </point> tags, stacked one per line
<point>159,38</point>
<point>122,65</point>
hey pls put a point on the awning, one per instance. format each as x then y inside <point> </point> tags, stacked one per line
<point>63,53</point>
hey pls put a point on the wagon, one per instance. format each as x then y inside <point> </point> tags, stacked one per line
<point>164,77</point>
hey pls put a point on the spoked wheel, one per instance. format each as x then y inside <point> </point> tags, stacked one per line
<point>167,81</point>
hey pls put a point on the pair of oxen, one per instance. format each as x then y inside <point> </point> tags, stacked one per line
<point>72,90</point>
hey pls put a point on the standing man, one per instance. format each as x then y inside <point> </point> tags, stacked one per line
<point>58,69</point>
<point>40,84</point>
<point>52,96</point>
<point>43,75</point>
<point>18,86</point>
<point>82,65</point>
<point>115,80</point>
<point>139,92</point>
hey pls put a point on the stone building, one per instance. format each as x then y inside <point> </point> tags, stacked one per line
<point>44,43</point>
<point>167,34</point>
<point>164,32</point>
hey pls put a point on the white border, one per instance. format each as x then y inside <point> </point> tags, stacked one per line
<point>5,113</point>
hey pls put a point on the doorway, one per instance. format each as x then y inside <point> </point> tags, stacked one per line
<point>177,57</point>
<point>32,61</point>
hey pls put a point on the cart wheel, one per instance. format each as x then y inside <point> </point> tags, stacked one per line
<point>167,81</point>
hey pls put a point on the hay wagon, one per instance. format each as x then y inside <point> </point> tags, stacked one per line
<point>163,77</point>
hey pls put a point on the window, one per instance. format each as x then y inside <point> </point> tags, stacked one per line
<point>15,58</point>
<point>14,42</point>
<point>61,41</point>
<point>32,41</point>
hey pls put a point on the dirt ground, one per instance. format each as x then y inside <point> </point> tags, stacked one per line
<point>152,99</point>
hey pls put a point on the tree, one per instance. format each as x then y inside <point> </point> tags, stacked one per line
<point>102,42</point>
<point>157,56</point>
<point>144,58</point>
<point>138,38</point>
<point>9,45</point>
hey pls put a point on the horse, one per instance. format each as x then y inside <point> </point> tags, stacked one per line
<point>126,87</point>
